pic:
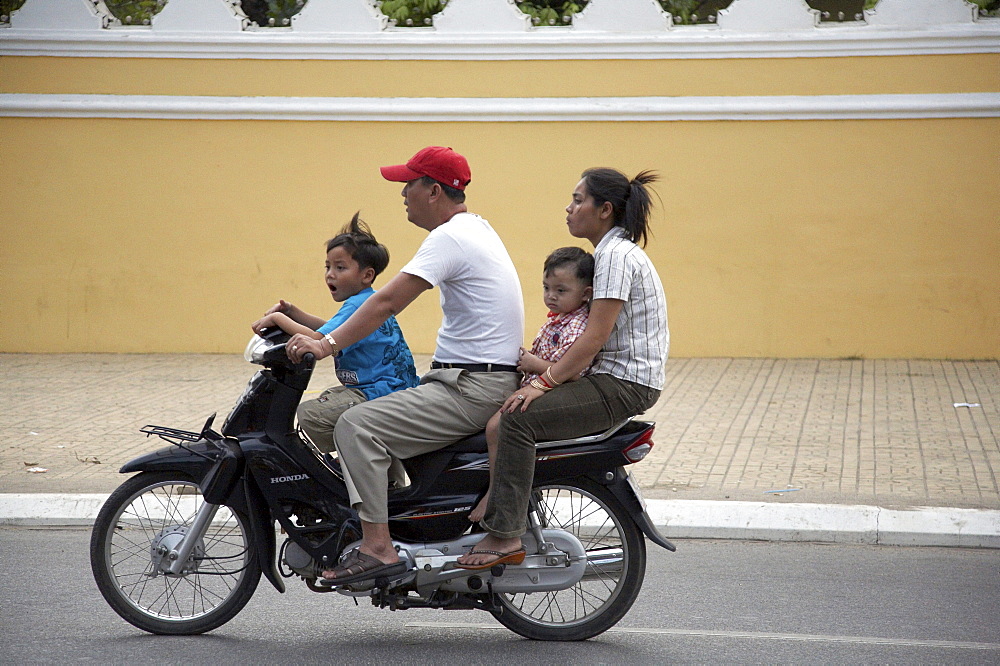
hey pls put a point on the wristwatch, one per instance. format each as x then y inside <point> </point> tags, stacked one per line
<point>333,343</point>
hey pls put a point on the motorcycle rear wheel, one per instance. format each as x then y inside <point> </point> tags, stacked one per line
<point>153,509</point>
<point>616,551</point>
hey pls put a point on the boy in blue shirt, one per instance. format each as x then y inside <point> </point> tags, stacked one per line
<point>375,366</point>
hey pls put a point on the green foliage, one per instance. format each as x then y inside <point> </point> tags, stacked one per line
<point>691,12</point>
<point>135,12</point>
<point>272,13</point>
<point>412,13</point>
<point>551,12</point>
<point>990,8</point>
<point>8,6</point>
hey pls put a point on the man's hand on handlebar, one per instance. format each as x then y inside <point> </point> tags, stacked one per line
<point>299,345</point>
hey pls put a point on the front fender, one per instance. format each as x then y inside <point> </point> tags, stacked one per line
<point>195,460</point>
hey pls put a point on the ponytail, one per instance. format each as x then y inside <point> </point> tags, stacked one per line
<point>630,199</point>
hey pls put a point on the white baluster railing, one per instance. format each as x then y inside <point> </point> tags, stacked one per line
<point>495,29</point>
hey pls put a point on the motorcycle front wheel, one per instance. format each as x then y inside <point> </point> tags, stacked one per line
<point>616,566</point>
<point>142,520</point>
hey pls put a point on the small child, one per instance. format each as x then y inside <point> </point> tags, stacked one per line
<point>375,366</point>
<point>568,274</point>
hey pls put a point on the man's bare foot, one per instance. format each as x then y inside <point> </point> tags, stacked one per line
<point>479,512</point>
<point>478,555</point>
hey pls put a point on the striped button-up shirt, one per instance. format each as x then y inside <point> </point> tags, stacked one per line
<point>638,346</point>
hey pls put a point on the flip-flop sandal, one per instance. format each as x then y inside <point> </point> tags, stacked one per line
<point>358,566</point>
<point>514,557</point>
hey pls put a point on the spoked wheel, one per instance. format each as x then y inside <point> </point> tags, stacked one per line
<point>141,521</point>
<point>616,566</point>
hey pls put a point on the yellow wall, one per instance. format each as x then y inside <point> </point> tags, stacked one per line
<point>874,238</point>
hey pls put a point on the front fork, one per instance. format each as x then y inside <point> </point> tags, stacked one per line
<point>174,560</point>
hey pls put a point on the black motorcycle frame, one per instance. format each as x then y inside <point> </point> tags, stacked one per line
<point>260,466</point>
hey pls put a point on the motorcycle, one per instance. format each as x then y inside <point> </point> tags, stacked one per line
<point>180,547</point>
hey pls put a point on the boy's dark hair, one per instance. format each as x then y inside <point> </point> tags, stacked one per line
<point>565,256</point>
<point>359,242</point>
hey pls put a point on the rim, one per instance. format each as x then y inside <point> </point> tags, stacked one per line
<point>158,514</point>
<point>589,520</point>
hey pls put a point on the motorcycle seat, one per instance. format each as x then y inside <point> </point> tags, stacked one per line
<point>471,444</point>
<point>477,443</point>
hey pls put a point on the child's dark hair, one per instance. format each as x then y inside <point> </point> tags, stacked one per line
<point>566,256</point>
<point>359,242</point>
<point>629,199</point>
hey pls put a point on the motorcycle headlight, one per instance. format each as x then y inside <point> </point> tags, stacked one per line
<point>254,353</point>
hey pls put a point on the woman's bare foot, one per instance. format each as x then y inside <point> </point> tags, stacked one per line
<point>478,555</point>
<point>479,512</point>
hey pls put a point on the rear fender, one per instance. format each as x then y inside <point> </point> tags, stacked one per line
<point>623,491</point>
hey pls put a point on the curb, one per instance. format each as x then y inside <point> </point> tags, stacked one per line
<point>836,523</point>
<point>677,519</point>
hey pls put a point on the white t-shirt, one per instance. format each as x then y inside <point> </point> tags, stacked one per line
<point>480,292</point>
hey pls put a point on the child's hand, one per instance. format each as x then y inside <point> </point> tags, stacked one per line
<point>281,306</point>
<point>531,364</point>
<point>268,321</point>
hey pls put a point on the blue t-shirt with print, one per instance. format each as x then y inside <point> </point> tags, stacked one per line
<point>377,365</point>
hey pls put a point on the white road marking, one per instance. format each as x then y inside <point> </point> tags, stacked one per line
<point>752,635</point>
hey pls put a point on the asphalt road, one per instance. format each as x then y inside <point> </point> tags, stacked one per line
<point>712,601</point>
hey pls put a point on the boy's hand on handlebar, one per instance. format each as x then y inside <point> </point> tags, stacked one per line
<point>266,321</point>
<point>299,345</point>
<point>520,399</point>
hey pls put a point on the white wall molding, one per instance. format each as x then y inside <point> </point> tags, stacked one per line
<point>552,109</point>
<point>710,43</point>
<point>494,30</point>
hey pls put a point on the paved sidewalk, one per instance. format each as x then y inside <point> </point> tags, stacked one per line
<point>757,433</point>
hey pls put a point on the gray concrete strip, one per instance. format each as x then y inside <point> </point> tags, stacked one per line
<point>832,523</point>
<point>677,519</point>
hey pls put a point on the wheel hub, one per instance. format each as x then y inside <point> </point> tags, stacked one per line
<point>165,543</point>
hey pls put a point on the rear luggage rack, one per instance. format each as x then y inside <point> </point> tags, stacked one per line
<point>181,438</point>
<point>172,435</point>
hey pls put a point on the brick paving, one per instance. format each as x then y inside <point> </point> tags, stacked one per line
<point>883,432</point>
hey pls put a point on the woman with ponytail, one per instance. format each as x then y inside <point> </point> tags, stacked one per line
<point>625,344</point>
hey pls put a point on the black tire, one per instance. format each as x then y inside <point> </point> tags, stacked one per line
<point>616,550</point>
<point>223,571</point>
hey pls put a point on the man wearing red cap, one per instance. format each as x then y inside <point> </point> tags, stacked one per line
<point>475,360</point>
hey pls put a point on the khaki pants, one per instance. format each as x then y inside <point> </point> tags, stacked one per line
<point>448,405</point>
<point>319,417</point>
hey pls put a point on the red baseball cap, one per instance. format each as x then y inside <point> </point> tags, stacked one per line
<point>442,164</point>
